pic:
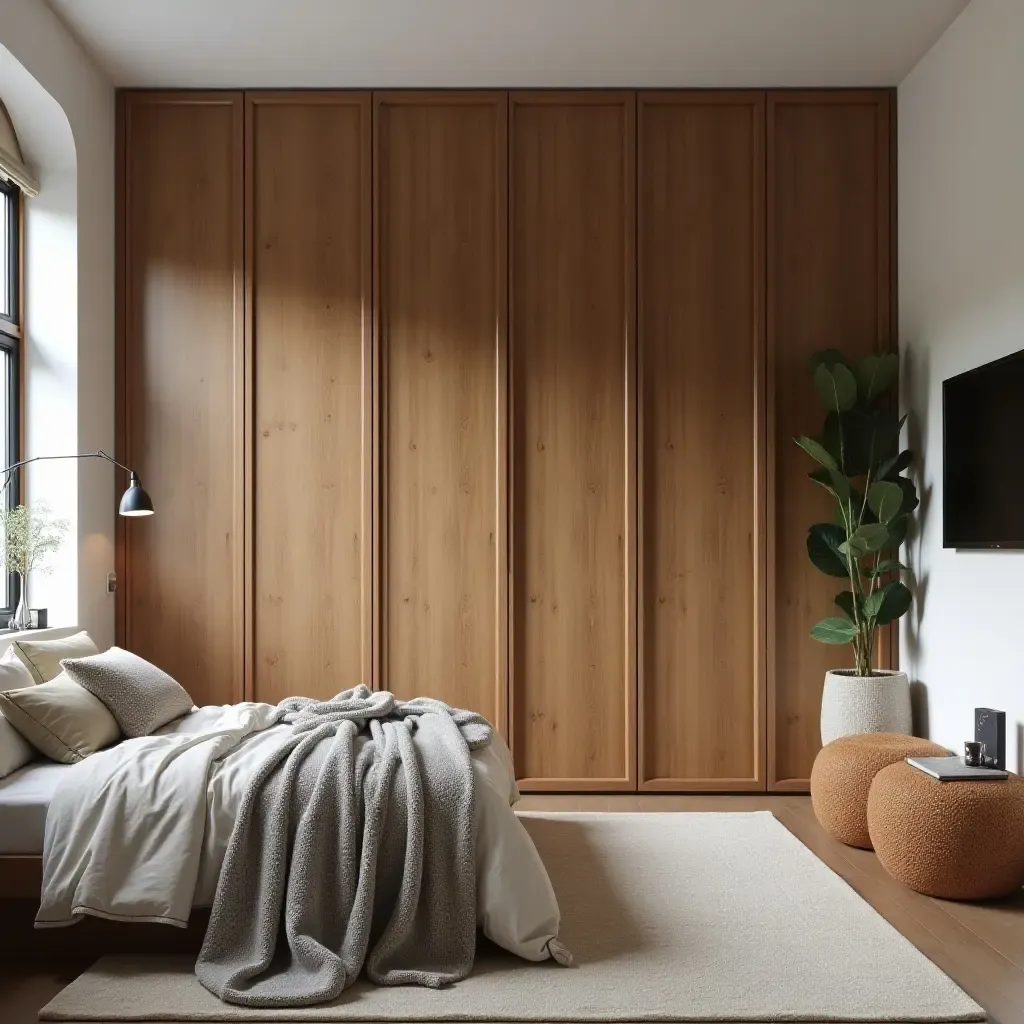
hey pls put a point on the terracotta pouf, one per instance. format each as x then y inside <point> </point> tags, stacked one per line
<point>842,775</point>
<point>956,840</point>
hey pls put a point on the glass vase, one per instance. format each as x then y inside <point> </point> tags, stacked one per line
<point>22,615</point>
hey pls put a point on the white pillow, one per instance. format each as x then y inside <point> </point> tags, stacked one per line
<point>43,657</point>
<point>15,750</point>
<point>60,719</point>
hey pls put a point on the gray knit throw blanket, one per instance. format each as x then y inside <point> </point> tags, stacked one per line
<point>341,860</point>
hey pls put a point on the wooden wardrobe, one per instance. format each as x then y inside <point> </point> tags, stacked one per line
<point>489,396</point>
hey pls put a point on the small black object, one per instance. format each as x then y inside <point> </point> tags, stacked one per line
<point>974,754</point>
<point>135,501</point>
<point>990,729</point>
<point>41,617</point>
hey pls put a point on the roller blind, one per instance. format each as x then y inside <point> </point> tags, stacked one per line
<point>12,165</point>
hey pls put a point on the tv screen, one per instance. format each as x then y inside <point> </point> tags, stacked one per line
<point>983,456</point>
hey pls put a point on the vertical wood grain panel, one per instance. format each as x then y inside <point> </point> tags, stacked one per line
<point>701,338</point>
<point>309,232</point>
<point>182,408</point>
<point>572,335</point>
<point>441,217</point>
<point>829,286</point>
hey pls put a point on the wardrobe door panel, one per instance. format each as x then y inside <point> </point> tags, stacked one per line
<point>441,217</point>
<point>829,286</point>
<point>701,336</point>
<point>572,338</point>
<point>310,275</point>
<point>181,414</point>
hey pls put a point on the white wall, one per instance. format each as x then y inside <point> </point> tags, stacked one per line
<point>961,273</point>
<point>70,298</point>
<point>50,370</point>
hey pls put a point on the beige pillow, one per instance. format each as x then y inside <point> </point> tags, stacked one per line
<point>15,750</point>
<point>43,657</point>
<point>60,719</point>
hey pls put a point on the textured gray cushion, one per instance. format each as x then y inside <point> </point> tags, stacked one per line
<point>140,696</point>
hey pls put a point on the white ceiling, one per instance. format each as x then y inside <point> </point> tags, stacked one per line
<point>414,43</point>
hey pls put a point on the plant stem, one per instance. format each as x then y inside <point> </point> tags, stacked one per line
<point>864,500</point>
<point>856,588</point>
<point>847,510</point>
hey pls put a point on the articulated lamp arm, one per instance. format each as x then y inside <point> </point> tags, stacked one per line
<point>134,502</point>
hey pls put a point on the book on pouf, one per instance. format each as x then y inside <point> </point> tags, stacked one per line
<point>953,769</point>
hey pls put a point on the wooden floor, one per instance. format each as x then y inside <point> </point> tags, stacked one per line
<point>980,946</point>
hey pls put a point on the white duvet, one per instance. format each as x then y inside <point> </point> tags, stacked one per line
<point>138,832</point>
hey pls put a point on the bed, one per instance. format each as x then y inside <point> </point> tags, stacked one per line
<point>24,797</point>
<point>515,908</point>
<point>365,831</point>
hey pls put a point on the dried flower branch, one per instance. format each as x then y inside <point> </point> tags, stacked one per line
<point>30,535</point>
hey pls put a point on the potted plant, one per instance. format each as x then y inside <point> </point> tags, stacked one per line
<point>861,466</point>
<point>29,536</point>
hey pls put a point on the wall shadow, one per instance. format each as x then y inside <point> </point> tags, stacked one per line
<point>919,708</point>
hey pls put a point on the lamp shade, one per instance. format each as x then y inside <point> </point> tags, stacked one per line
<point>135,501</point>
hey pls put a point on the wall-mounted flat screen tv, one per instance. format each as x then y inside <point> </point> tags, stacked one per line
<point>983,456</point>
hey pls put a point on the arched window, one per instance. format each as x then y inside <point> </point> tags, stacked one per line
<point>15,180</point>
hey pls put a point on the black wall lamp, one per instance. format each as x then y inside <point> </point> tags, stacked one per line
<point>134,502</point>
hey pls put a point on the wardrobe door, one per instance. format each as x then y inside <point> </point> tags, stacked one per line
<point>308,208</point>
<point>181,386</point>
<point>829,286</point>
<point>441,212</point>
<point>701,337</point>
<point>572,338</point>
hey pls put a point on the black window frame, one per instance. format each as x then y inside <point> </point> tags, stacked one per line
<point>10,343</point>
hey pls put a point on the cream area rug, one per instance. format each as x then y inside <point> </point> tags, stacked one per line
<point>671,917</point>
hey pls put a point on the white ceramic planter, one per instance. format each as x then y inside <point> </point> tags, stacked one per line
<point>852,704</point>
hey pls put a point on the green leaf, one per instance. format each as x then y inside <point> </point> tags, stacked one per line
<point>865,539</point>
<point>846,601</point>
<point>893,467</point>
<point>885,499</point>
<point>876,535</point>
<point>892,601</point>
<point>834,631</point>
<point>828,357</point>
<point>855,547</point>
<point>871,605</point>
<point>881,440</point>
<point>833,481</point>
<point>817,451</point>
<point>887,565</point>
<point>830,440</point>
<point>875,375</point>
<point>869,438</point>
<point>823,540</point>
<point>836,386</point>
<point>897,533</point>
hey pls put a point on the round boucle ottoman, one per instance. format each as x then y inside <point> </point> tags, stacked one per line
<point>842,775</point>
<point>957,840</point>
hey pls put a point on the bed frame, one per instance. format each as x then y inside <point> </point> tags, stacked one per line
<point>20,880</point>
<point>20,877</point>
